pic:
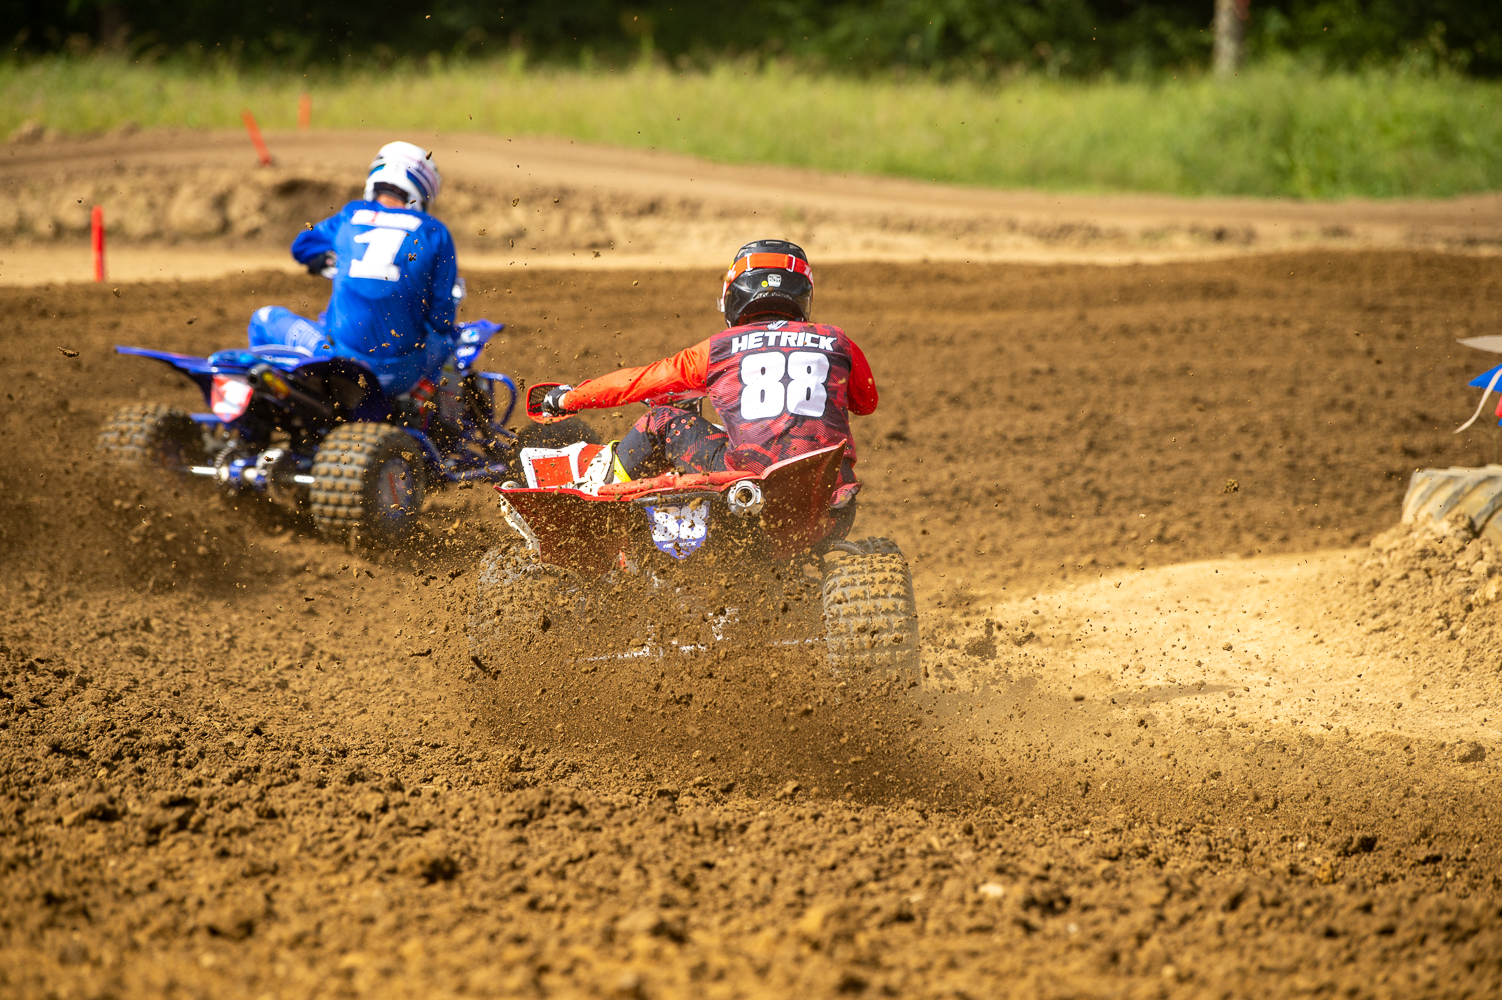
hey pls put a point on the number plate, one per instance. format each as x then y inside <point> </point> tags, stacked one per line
<point>679,530</point>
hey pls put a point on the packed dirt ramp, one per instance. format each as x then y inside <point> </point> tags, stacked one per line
<point>238,760</point>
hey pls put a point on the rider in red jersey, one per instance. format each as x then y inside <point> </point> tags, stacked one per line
<point>782,385</point>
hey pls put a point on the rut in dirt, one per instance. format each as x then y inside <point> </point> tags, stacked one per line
<point>271,766</point>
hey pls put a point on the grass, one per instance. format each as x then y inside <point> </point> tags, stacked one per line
<point>1281,130</point>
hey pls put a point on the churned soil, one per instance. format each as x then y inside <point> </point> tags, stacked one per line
<point>240,761</point>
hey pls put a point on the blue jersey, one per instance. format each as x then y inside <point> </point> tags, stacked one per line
<point>393,300</point>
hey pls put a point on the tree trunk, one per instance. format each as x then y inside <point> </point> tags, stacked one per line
<point>1230,35</point>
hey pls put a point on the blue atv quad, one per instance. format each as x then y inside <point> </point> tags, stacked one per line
<point>320,436</point>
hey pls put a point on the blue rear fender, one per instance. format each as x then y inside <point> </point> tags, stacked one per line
<point>351,385</point>
<point>198,370</point>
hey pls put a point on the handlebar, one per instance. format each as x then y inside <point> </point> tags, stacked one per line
<point>536,393</point>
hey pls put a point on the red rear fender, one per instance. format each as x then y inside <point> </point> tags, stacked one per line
<point>796,494</point>
<point>586,533</point>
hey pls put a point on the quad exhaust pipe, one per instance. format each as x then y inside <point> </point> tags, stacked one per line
<point>744,499</point>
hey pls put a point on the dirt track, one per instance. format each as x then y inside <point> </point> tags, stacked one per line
<point>194,204</point>
<point>236,761</point>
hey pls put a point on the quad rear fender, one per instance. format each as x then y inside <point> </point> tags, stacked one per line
<point>796,494</point>
<point>352,387</point>
<point>197,369</point>
<point>585,533</point>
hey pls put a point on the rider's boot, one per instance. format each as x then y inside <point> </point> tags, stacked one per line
<point>603,469</point>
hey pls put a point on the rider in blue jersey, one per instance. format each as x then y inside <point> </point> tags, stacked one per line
<point>395,278</point>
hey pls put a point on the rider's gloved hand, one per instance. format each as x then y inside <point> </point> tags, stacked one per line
<point>324,265</point>
<point>552,403</point>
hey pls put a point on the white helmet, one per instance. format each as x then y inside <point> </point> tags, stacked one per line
<point>408,167</point>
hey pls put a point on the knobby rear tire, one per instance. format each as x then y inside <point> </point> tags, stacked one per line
<point>871,613</point>
<point>369,479</point>
<point>153,436</point>
<point>1440,493</point>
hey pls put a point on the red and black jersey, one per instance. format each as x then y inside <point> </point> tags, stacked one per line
<point>782,388</point>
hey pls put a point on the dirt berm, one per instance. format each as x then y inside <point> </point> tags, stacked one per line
<point>194,203</point>
<point>1185,733</point>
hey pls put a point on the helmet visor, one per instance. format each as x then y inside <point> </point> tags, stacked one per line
<point>772,262</point>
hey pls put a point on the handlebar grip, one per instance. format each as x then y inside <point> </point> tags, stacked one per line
<point>536,393</point>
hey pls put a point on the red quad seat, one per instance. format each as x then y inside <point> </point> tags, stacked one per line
<point>673,481</point>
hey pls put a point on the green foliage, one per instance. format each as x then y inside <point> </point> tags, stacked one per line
<point>1460,35</point>
<point>950,38</point>
<point>1278,130</point>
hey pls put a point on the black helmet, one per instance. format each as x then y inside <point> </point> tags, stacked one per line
<point>767,278</point>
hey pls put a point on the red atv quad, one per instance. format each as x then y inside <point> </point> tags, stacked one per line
<point>687,563</point>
